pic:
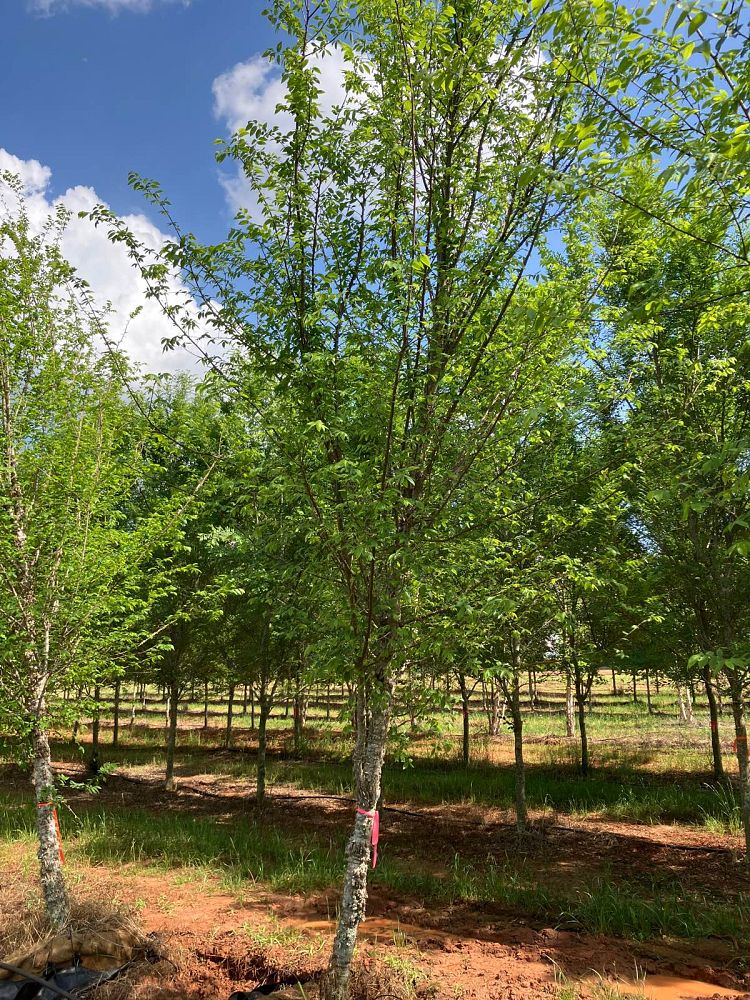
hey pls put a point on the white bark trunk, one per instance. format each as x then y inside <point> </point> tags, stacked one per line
<point>50,861</point>
<point>372,735</point>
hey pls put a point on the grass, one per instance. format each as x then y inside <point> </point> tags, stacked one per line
<point>240,850</point>
<point>605,907</point>
<point>615,795</point>
<point>273,934</point>
<point>620,787</point>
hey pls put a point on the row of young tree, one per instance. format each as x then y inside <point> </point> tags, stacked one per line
<point>476,391</point>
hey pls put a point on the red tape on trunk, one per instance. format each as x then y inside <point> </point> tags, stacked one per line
<point>61,852</point>
<point>374,815</point>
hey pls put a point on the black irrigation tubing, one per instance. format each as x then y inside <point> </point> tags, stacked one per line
<point>39,981</point>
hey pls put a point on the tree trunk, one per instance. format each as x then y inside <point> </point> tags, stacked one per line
<point>171,736</point>
<point>686,705</point>
<point>244,699</point>
<point>465,716</point>
<point>372,734</point>
<point>614,681</point>
<point>50,860</point>
<point>522,813</point>
<point>584,737</point>
<point>116,717</point>
<point>230,712</point>
<point>740,731</point>
<point>299,718</point>
<point>648,693</point>
<point>95,722</point>
<point>718,763</point>
<point>132,705</point>
<point>583,690</point>
<point>265,711</point>
<point>205,704</point>
<point>635,689</point>
<point>495,710</point>
<point>570,709</point>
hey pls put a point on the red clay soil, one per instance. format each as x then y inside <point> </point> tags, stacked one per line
<point>217,943</point>
<point>220,943</point>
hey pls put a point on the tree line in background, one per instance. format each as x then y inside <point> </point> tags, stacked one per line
<point>476,394</point>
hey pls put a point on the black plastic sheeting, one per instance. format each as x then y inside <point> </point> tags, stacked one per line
<point>76,980</point>
<point>261,992</point>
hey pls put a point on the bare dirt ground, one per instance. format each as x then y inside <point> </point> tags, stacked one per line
<point>218,942</point>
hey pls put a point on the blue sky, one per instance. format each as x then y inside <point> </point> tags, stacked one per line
<point>92,89</point>
<point>95,88</point>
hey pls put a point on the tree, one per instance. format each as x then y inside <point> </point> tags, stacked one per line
<point>67,460</point>
<point>381,291</point>
<point>181,487</point>
<point>677,319</point>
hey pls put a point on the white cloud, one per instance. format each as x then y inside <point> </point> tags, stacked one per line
<point>253,90</point>
<point>48,7</point>
<point>104,265</point>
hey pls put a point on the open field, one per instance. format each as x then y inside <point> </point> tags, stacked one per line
<point>630,882</point>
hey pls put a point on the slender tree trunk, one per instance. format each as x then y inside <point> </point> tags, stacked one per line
<point>686,705</point>
<point>522,813</point>
<point>132,705</point>
<point>465,716</point>
<point>252,708</point>
<point>718,763</point>
<point>614,681</point>
<point>740,736</point>
<point>95,722</point>
<point>635,689</point>
<point>171,736</point>
<point>648,693</point>
<point>264,705</point>
<point>116,717</point>
<point>299,717</point>
<point>494,716</point>
<point>584,737</point>
<point>50,862</point>
<point>205,704</point>
<point>372,734</point>
<point>570,710</point>
<point>230,712</point>
<point>328,702</point>
<point>244,699</point>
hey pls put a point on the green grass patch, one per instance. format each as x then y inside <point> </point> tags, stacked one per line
<point>239,850</point>
<point>629,797</point>
<point>603,907</point>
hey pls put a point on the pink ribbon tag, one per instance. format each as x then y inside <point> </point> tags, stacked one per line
<point>374,815</point>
